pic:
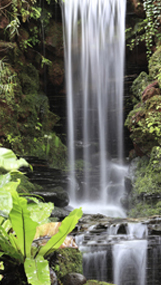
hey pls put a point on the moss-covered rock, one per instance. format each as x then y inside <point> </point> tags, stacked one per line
<point>56,72</point>
<point>54,38</point>
<point>95,282</point>
<point>144,124</point>
<point>145,119</point>
<point>66,261</point>
<point>155,65</point>
<point>139,85</point>
<point>26,122</point>
<point>146,194</point>
<point>29,79</point>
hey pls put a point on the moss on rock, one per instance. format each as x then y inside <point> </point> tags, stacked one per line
<point>144,124</point>
<point>155,64</point>
<point>138,86</point>
<point>67,260</point>
<point>146,194</point>
<point>26,122</point>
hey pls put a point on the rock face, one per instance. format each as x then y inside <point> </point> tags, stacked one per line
<point>55,195</point>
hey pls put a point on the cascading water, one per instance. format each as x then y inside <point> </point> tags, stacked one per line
<point>94,64</point>
<point>118,255</point>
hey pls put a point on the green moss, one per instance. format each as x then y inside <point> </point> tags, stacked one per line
<point>155,64</point>
<point>26,121</point>
<point>145,210</point>
<point>144,124</point>
<point>67,260</point>
<point>29,78</point>
<point>147,186</point>
<point>139,85</point>
<point>54,35</point>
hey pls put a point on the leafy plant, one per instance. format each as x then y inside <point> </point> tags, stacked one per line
<point>17,244</point>
<point>7,82</point>
<point>147,30</point>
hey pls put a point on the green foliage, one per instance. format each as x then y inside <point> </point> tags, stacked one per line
<point>17,244</point>
<point>8,82</point>
<point>9,161</point>
<point>67,225</point>
<point>37,271</point>
<point>39,211</point>
<point>139,85</point>
<point>146,186</point>
<point>148,29</point>
<point>67,260</point>
<point>144,123</point>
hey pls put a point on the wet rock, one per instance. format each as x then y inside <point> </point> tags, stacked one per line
<point>56,195</point>
<point>73,279</point>
<point>60,212</point>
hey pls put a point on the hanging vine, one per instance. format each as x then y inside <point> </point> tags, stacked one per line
<point>147,30</point>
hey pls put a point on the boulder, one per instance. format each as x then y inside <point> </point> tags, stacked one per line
<point>73,279</point>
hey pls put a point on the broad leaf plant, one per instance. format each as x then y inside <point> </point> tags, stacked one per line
<point>18,225</point>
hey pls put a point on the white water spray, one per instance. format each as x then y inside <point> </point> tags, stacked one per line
<point>94,63</point>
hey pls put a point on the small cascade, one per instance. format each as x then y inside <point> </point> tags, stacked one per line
<point>137,231</point>
<point>118,254</point>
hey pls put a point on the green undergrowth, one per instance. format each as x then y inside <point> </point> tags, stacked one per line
<point>146,194</point>
<point>26,122</point>
<point>67,260</point>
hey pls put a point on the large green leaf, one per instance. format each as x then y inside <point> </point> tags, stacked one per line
<point>23,225</point>
<point>9,161</point>
<point>40,212</point>
<point>68,224</point>
<point>37,271</point>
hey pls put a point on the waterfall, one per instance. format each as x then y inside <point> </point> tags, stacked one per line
<point>121,258</point>
<point>94,66</point>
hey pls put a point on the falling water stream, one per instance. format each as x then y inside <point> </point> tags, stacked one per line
<point>94,63</point>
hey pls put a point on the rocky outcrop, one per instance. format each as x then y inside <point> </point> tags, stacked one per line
<point>145,118</point>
